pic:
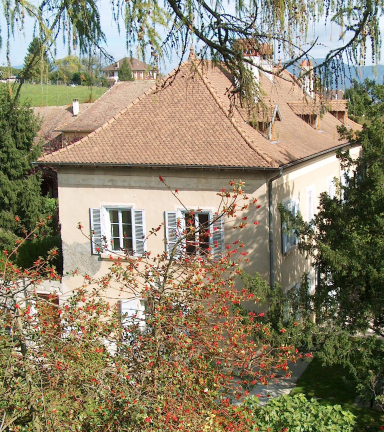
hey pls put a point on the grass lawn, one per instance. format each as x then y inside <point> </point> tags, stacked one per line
<point>57,95</point>
<point>333,385</point>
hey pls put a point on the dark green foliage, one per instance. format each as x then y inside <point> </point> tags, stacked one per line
<point>365,99</point>
<point>30,251</point>
<point>346,244</point>
<point>288,314</point>
<point>20,194</point>
<point>125,72</point>
<point>296,413</point>
<point>335,384</point>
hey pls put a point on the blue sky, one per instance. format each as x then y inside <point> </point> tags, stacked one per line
<point>328,38</point>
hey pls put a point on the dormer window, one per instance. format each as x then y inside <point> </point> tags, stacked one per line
<point>265,124</point>
<point>309,112</point>
<point>338,108</point>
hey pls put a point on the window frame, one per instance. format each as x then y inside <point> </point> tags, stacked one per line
<point>108,226</point>
<point>289,242</point>
<point>175,226</point>
<point>101,229</point>
<point>196,243</point>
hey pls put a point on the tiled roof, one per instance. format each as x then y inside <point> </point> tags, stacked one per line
<point>108,105</point>
<point>305,107</point>
<point>54,118</point>
<point>191,120</point>
<point>336,104</point>
<point>135,64</point>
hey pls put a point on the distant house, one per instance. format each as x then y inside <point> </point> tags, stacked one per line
<point>140,70</point>
<point>193,131</point>
<point>111,103</point>
<point>61,127</point>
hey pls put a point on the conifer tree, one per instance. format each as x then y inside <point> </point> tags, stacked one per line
<point>20,196</point>
<point>36,62</point>
<point>125,72</point>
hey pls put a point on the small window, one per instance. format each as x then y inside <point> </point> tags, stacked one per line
<point>194,233</point>
<point>289,239</point>
<point>197,233</point>
<point>120,229</point>
<point>117,229</point>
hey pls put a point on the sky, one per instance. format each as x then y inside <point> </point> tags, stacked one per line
<point>116,46</point>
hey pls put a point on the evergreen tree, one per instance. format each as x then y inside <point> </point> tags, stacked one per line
<point>20,196</point>
<point>36,63</point>
<point>125,72</point>
<point>345,241</point>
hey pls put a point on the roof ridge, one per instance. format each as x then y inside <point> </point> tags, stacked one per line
<point>240,131</point>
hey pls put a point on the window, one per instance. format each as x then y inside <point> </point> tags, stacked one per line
<point>194,233</point>
<point>197,232</point>
<point>289,239</point>
<point>116,229</point>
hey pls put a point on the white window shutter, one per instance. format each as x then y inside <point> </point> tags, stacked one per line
<point>331,187</point>
<point>172,232</point>
<point>310,203</point>
<point>132,311</point>
<point>139,244</point>
<point>217,237</point>
<point>343,183</point>
<point>296,211</point>
<point>96,234</point>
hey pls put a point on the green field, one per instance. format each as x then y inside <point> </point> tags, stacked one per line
<point>57,95</point>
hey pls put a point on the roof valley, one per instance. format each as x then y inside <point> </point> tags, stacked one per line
<point>230,118</point>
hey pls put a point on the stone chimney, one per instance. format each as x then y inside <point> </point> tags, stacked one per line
<point>307,78</point>
<point>75,107</point>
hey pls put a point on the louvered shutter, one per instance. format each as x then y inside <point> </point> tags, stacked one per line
<point>128,308</point>
<point>217,238</point>
<point>295,211</point>
<point>139,232</point>
<point>343,184</point>
<point>331,187</point>
<point>96,235</point>
<point>132,311</point>
<point>310,203</point>
<point>172,231</point>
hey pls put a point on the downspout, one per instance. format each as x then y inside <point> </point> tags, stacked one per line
<point>270,223</point>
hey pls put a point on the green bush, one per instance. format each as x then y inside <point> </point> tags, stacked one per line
<point>297,413</point>
<point>31,250</point>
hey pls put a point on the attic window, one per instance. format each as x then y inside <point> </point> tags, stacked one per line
<point>309,112</point>
<point>311,119</point>
<point>267,126</point>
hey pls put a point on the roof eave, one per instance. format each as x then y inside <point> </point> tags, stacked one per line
<point>175,166</point>
<point>315,155</point>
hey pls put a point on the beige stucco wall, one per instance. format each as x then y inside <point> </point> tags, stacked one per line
<point>295,184</point>
<point>83,188</point>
